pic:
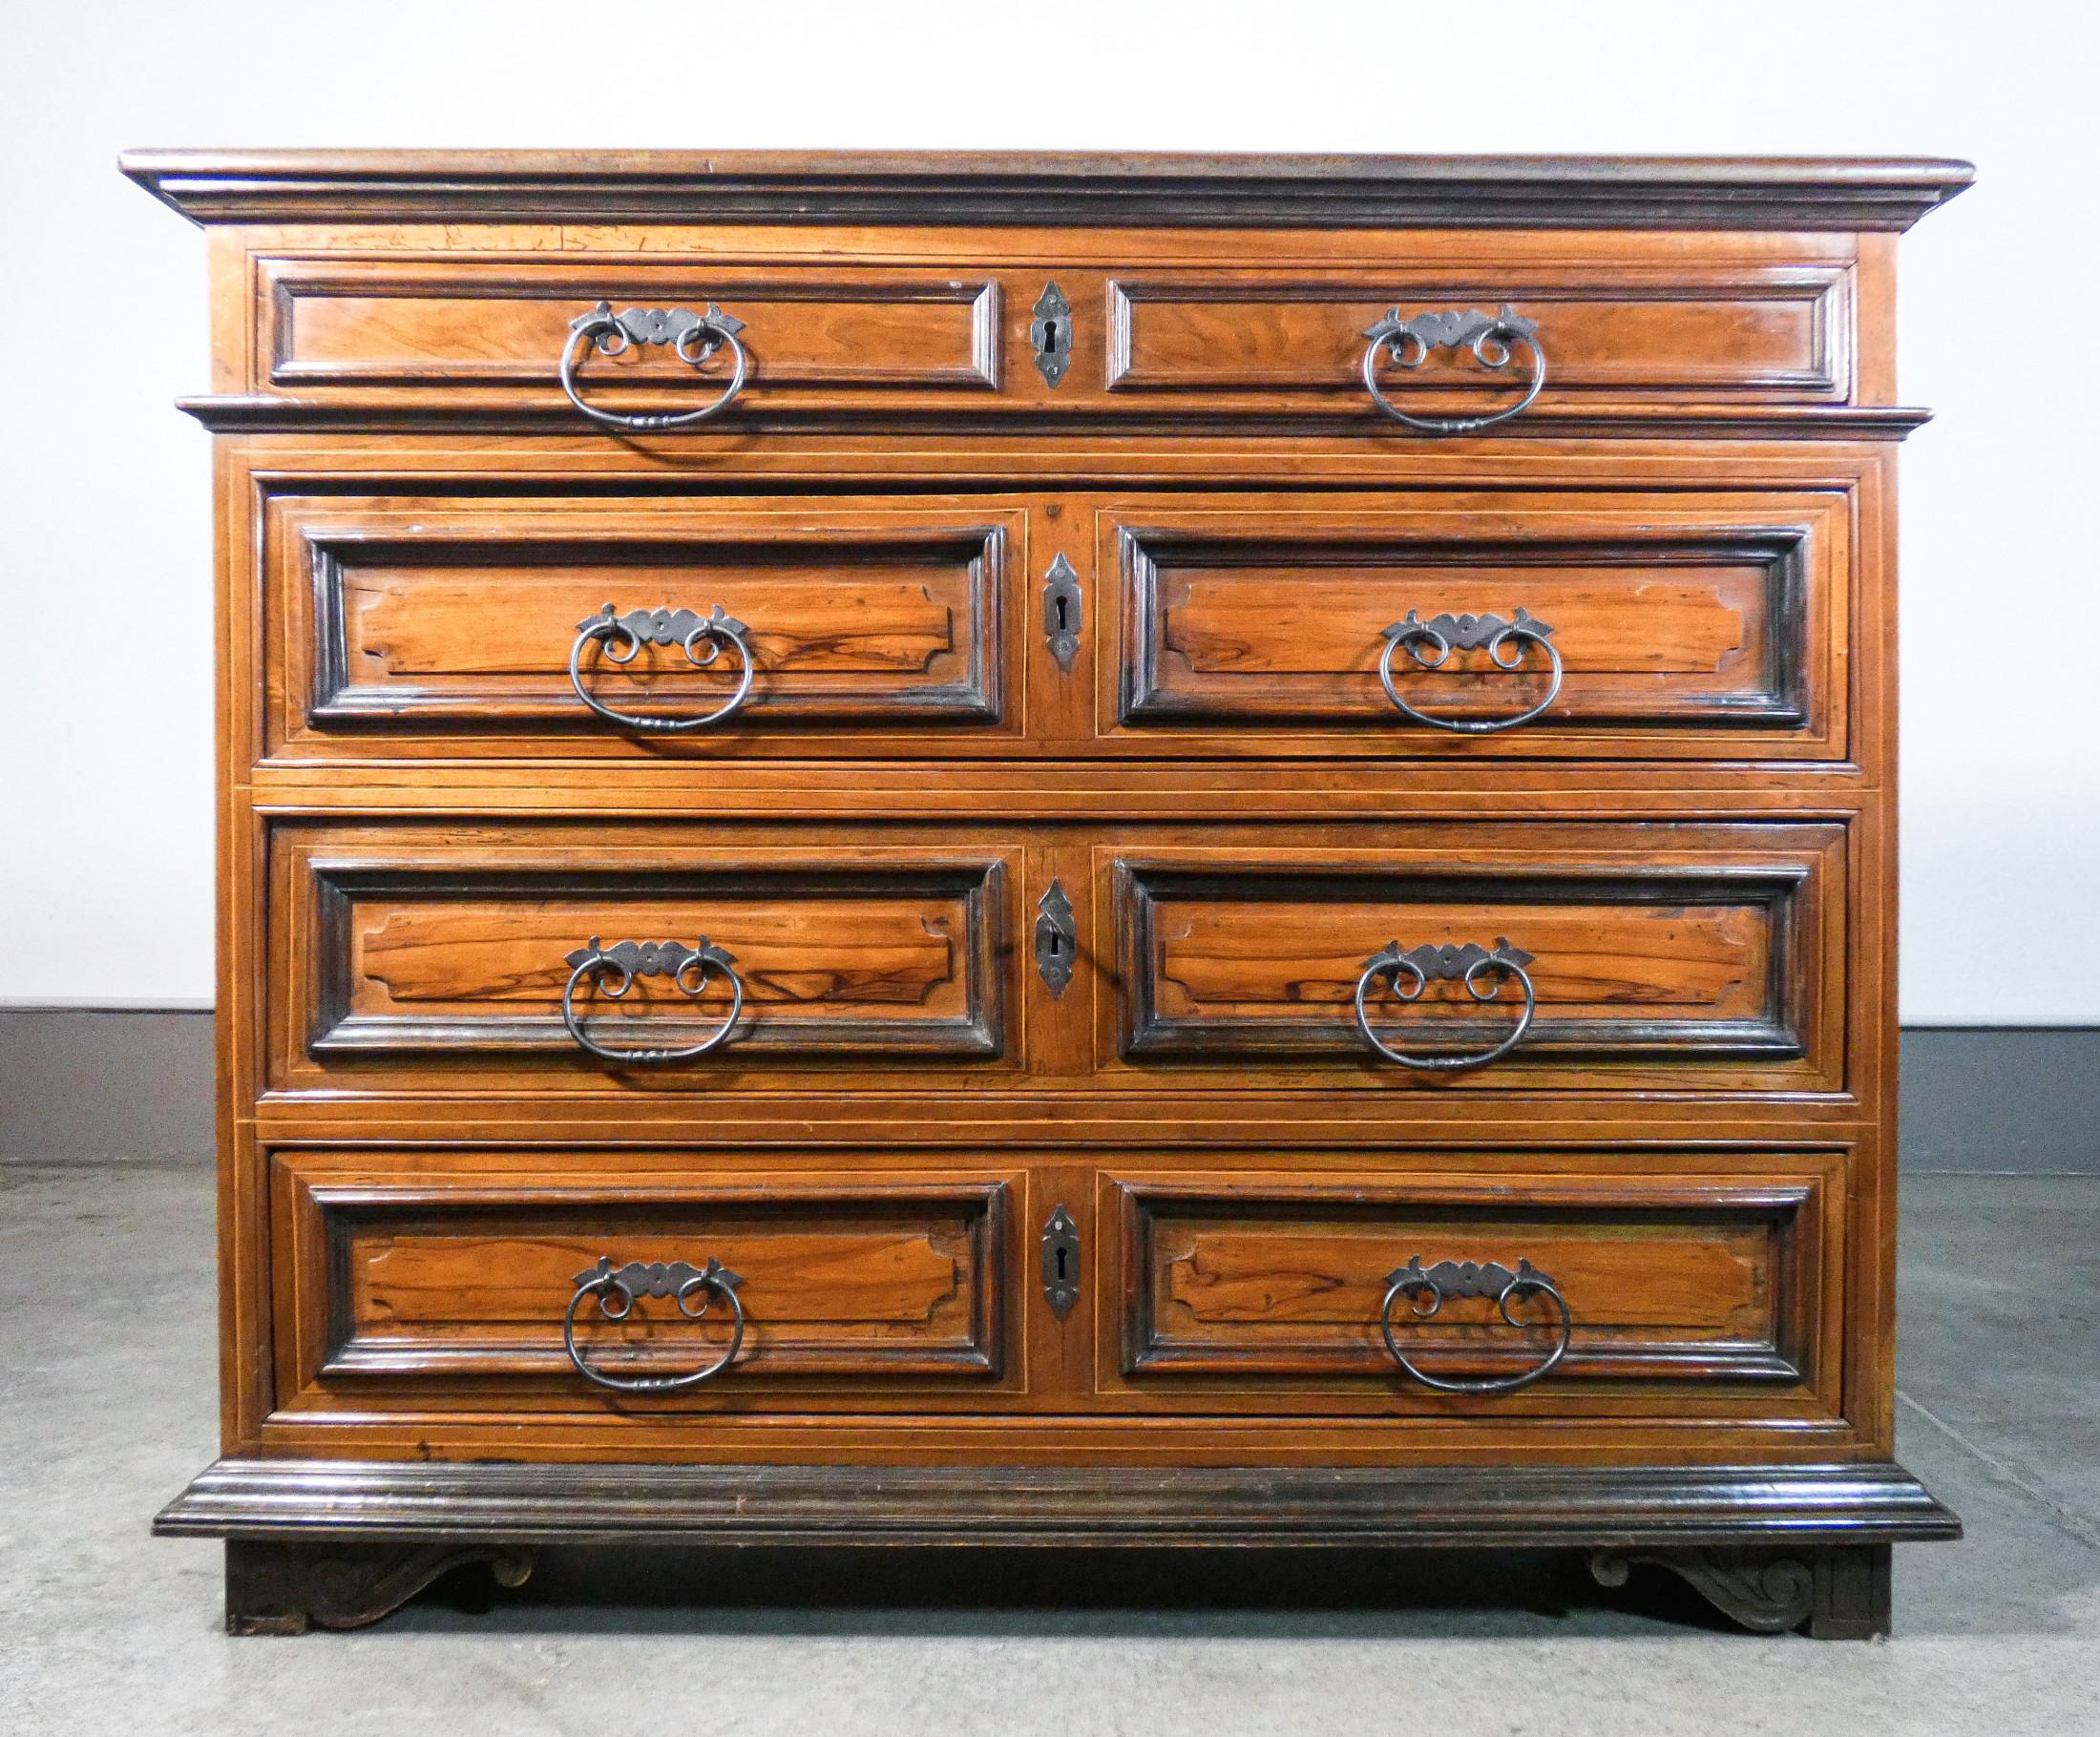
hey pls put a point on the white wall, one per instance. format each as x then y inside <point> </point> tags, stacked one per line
<point>105,848</point>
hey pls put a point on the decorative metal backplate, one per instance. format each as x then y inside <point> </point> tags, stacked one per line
<point>1436,963</point>
<point>1467,632</point>
<point>658,325</point>
<point>1464,1278</point>
<point>1451,328</point>
<point>1050,334</point>
<point>1062,607</point>
<point>639,1279</point>
<point>649,958</point>
<point>662,626</point>
<point>1056,939</point>
<point>1061,1262</point>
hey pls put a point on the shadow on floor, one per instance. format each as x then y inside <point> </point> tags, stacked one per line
<point>994,1593</point>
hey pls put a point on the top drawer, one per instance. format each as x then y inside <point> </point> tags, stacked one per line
<point>1445,327</point>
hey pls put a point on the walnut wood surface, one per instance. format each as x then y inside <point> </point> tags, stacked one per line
<point>445,951</point>
<point>405,1285</point>
<point>1711,957</point>
<point>425,617</point>
<point>1696,844</point>
<point>1235,1280</point>
<point>1706,627</point>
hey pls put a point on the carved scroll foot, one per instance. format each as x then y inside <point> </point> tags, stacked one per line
<point>1832,1592</point>
<point>277,1588</point>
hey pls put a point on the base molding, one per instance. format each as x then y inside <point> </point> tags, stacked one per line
<point>1625,1508</point>
<point>335,1543</point>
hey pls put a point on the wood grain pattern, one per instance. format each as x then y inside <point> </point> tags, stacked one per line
<point>411,1279</point>
<point>1698,628</point>
<point>1243,1278</point>
<point>427,615</point>
<point>1648,947</point>
<point>1696,843</point>
<point>1778,334</point>
<point>449,956</point>
<point>440,624</point>
<point>394,322</point>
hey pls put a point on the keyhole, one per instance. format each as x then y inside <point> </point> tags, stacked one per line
<point>1049,337</point>
<point>1060,1265</point>
<point>1065,615</point>
<point>1057,943</point>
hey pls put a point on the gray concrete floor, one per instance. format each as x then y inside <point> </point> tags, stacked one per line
<point>107,1405</point>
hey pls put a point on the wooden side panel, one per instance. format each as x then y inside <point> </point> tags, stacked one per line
<point>1699,628</point>
<point>1274,1282</point>
<point>417,1278</point>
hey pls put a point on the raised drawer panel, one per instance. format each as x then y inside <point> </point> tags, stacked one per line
<point>418,1279</point>
<point>1696,626</point>
<point>1660,956</point>
<point>1266,1287</point>
<point>1261,335</point>
<point>439,956</point>
<point>818,332</point>
<point>446,624</point>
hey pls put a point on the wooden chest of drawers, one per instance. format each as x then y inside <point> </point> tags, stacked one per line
<point>1055,850</point>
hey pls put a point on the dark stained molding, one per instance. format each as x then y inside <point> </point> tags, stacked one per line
<point>1483,1507</point>
<point>274,413</point>
<point>1047,188</point>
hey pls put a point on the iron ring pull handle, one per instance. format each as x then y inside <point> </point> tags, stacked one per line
<point>1466,1279</point>
<point>1490,337</point>
<point>615,970</point>
<point>1425,964</point>
<point>702,638</point>
<point>616,1289</point>
<point>1502,640</point>
<point>693,337</point>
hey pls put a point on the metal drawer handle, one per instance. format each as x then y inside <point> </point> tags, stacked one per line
<point>620,638</point>
<point>694,337</point>
<point>1407,344</point>
<point>614,969</point>
<point>1431,643</point>
<point>1420,966</point>
<point>616,1289</point>
<point>1466,1279</point>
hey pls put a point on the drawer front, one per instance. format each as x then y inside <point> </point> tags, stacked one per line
<point>463,625</point>
<point>442,957</point>
<point>835,332</point>
<point>1263,338</point>
<point>1684,1291</point>
<point>416,1279</point>
<point>1648,956</point>
<point>1631,625</point>
<point>1130,324</point>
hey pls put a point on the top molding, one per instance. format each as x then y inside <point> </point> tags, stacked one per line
<point>1048,188</point>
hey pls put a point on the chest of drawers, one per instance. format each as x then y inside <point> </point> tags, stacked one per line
<point>1055,850</point>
